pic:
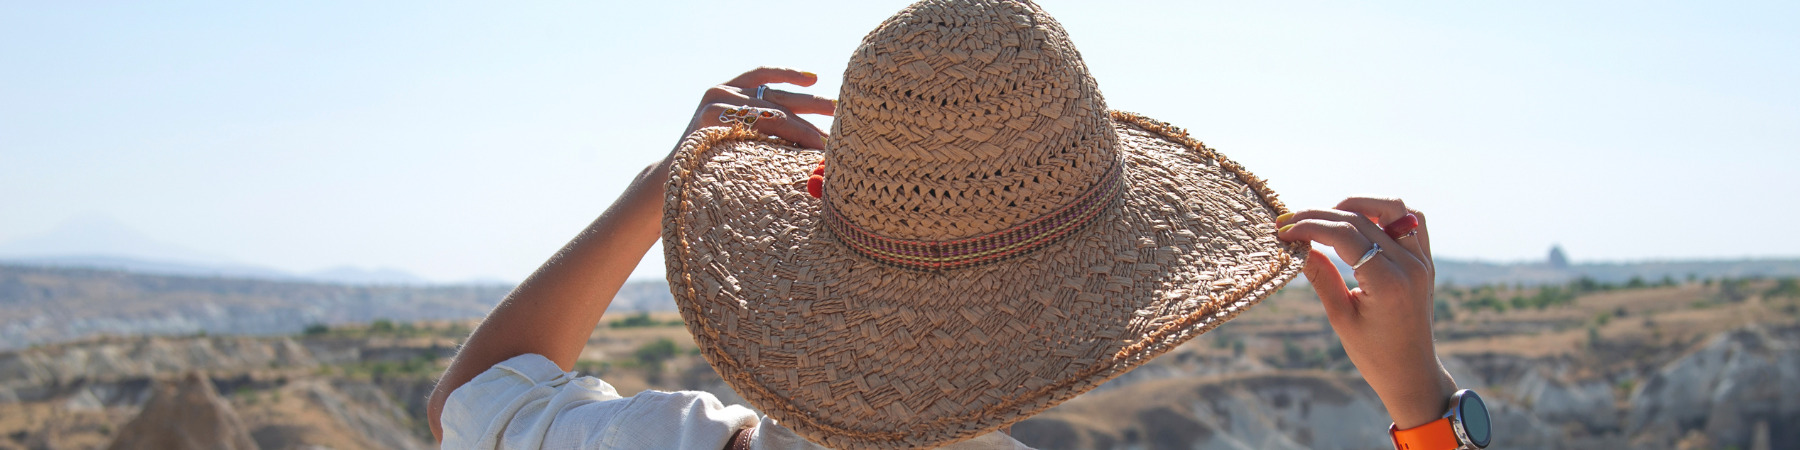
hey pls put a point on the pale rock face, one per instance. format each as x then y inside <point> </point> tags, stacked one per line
<point>1283,416</point>
<point>1739,379</point>
<point>1311,410</point>
<point>1588,402</point>
<point>363,409</point>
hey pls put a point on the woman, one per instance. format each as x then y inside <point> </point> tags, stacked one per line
<point>982,240</point>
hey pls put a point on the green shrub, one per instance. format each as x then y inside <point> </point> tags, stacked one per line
<point>1292,351</point>
<point>1786,287</point>
<point>652,355</point>
<point>1486,300</point>
<point>316,329</point>
<point>641,319</point>
<point>1440,311</point>
<point>655,352</point>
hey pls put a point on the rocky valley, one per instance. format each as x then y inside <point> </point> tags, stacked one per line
<point>1702,364</point>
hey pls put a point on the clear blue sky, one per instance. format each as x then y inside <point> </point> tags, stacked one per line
<point>459,140</point>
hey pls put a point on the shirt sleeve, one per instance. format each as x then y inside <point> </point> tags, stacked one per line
<point>527,402</point>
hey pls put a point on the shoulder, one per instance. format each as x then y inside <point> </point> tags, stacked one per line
<point>529,402</point>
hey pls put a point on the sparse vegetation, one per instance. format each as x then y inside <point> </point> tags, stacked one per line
<point>651,355</point>
<point>383,326</point>
<point>1784,288</point>
<point>1584,323</point>
<point>642,319</point>
<point>316,329</point>
<point>1488,297</point>
<point>1292,351</point>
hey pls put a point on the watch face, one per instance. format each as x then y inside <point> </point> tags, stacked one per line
<point>1474,417</point>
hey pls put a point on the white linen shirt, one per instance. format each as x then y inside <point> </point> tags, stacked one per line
<point>527,402</point>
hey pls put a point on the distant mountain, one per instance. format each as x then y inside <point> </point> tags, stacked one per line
<point>1467,272</point>
<point>357,275</point>
<point>643,296</point>
<point>100,242</point>
<point>156,267</point>
<point>340,275</point>
<point>41,305</point>
<point>92,235</point>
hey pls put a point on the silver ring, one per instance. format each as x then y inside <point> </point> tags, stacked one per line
<point>1366,257</point>
<point>759,91</point>
<point>1407,235</point>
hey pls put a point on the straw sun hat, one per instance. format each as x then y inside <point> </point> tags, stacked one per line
<point>990,241</point>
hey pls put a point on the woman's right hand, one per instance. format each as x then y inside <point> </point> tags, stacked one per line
<point>1385,322</point>
<point>741,92</point>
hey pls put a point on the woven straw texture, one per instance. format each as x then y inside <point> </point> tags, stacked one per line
<point>959,120</point>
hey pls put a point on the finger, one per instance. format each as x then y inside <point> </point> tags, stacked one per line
<point>1381,210</point>
<point>784,125</point>
<point>1386,211</point>
<point>788,126</point>
<point>1329,284</point>
<point>1380,272</point>
<point>771,75</point>
<point>801,103</point>
<point>1361,224</point>
<point>1423,240</point>
<point>795,129</point>
<point>1342,237</point>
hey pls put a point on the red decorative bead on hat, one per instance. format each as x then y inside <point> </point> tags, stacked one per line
<point>815,185</point>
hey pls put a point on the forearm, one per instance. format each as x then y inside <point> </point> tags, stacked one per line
<point>555,309</point>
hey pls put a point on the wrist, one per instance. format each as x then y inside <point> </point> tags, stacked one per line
<point>1414,404</point>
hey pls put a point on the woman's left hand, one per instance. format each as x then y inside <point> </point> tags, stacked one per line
<point>781,105</point>
<point>1385,322</point>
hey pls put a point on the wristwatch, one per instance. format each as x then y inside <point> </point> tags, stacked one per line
<point>1465,426</point>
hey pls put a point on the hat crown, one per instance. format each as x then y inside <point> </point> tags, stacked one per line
<point>960,118</point>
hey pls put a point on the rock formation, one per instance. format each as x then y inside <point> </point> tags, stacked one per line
<point>185,414</point>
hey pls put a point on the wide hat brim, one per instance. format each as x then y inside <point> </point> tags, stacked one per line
<point>850,352</point>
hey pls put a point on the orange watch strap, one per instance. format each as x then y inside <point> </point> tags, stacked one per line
<point>1434,435</point>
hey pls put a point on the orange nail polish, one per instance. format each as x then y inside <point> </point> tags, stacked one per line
<point>1284,217</point>
<point>1284,229</point>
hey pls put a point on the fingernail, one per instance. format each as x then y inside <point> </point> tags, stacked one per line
<point>810,74</point>
<point>1283,217</point>
<point>1284,229</point>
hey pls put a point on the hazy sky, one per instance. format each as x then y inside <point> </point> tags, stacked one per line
<point>469,140</point>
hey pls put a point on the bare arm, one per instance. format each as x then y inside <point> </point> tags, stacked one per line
<point>556,308</point>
